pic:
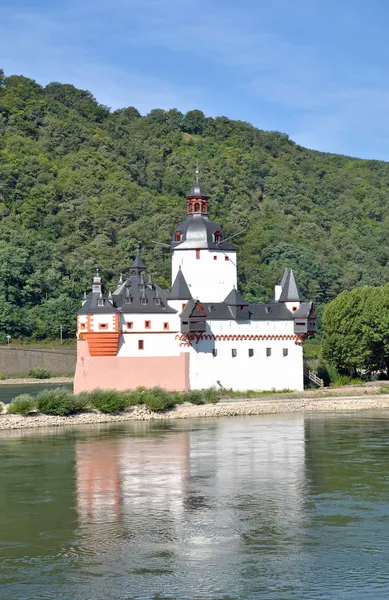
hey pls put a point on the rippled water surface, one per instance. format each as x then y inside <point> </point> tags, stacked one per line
<point>274,507</point>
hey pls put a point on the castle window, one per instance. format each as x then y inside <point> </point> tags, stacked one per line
<point>143,301</point>
<point>103,326</point>
<point>268,310</point>
<point>268,351</point>
<point>177,236</point>
<point>203,208</point>
<point>129,324</point>
<point>147,324</point>
<point>197,207</point>
<point>141,345</point>
<point>214,352</point>
<point>294,308</point>
<point>234,352</point>
<point>215,258</point>
<point>100,302</point>
<point>285,351</point>
<point>190,208</point>
<point>226,258</point>
<point>157,301</point>
<point>142,287</point>
<point>241,307</point>
<point>251,352</point>
<point>127,300</point>
<point>217,237</point>
<point>197,254</point>
<point>166,325</point>
<point>183,305</point>
<point>83,325</point>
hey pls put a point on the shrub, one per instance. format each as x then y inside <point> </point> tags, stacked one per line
<point>134,397</point>
<point>211,395</point>
<point>81,401</point>
<point>22,405</point>
<point>39,373</point>
<point>59,401</point>
<point>158,399</point>
<point>3,376</point>
<point>108,401</point>
<point>195,397</point>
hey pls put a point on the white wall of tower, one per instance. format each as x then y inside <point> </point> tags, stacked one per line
<point>211,276</point>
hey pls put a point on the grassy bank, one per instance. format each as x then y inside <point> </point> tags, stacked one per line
<point>61,401</point>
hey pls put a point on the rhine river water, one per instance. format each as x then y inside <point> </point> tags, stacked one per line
<point>279,507</point>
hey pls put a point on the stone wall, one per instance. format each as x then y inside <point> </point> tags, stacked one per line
<point>19,361</point>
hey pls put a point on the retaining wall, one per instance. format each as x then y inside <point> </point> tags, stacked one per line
<point>19,361</point>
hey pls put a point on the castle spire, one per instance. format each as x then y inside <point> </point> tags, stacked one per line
<point>96,286</point>
<point>197,199</point>
<point>137,266</point>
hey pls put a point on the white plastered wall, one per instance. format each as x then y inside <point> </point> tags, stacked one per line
<point>211,277</point>
<point>157,341</point>
<point>242,372</point>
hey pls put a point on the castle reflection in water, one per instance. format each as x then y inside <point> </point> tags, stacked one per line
<point>167,484</point>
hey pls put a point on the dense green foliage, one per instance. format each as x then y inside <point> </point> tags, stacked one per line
<point>22,405</point>
<point>79,185</point>
<point>39,373</point>
<point>356,331</point>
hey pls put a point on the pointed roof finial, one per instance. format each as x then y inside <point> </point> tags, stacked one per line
<point>197,173</point>
<point>138,264</point>
<point>121,279</point>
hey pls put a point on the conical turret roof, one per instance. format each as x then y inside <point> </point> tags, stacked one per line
<point>290,290</point>
<point>180,289</point>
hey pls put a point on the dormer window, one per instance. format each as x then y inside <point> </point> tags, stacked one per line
<point>177,236</point>
<point>100,302</point>
<point>157,301</point>
<point>268,310</point>
<point>217,236</point>
<point>127,300</point>
<point>143,301</point>
<point>142,287</point>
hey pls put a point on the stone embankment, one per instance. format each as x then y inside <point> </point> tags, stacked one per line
<point>232,408</point>
<point>33,381</point>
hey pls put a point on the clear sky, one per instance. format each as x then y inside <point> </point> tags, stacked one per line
<point>315,69</point>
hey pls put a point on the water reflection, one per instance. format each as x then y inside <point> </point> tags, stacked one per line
<point>275,507</point>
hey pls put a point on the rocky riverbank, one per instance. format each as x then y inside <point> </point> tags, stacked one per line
<point>33,381</point>
<point>238,407</point>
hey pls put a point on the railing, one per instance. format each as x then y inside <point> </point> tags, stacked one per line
<point>313,377</point>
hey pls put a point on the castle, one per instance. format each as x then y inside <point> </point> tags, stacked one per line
<point>202,332</point>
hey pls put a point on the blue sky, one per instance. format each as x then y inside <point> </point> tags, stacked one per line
<point>317,70</point>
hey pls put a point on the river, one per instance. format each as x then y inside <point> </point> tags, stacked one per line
<point>276,507</point>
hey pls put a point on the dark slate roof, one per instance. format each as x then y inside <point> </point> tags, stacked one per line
<point>235,298</point>
<point>256,312</point>
<point>129,295</point>
<point>197,233</point>
<point>91,305</point>
<point>304,310</point>
<point>290,290</point>
<point>197,191</point>
<point>284,277</point>
<point>139,287</point>
<point>180,290</point>
<point>138,263</point>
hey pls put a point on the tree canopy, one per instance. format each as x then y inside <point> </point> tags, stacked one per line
<point>80,185</point>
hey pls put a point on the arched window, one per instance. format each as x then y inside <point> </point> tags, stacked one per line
<point>190,207</point>
<point>203,207</point>
<point>197,207</point>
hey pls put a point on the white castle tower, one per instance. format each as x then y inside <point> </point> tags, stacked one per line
<point>200,250</point>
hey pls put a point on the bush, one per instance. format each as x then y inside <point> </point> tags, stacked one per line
<point>211,395</point>
<point>39,373</point>
<point>3,376</point>
<point>195,397</point>
<point>108,401</point>
<point>22,405</point>
<point>59,401</point>
<point>158,399</point>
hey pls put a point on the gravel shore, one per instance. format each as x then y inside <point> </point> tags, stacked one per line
<point>31,381</point>
<point>189,411</point>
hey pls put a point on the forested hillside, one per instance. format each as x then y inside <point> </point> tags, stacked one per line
<point>79,185</point>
